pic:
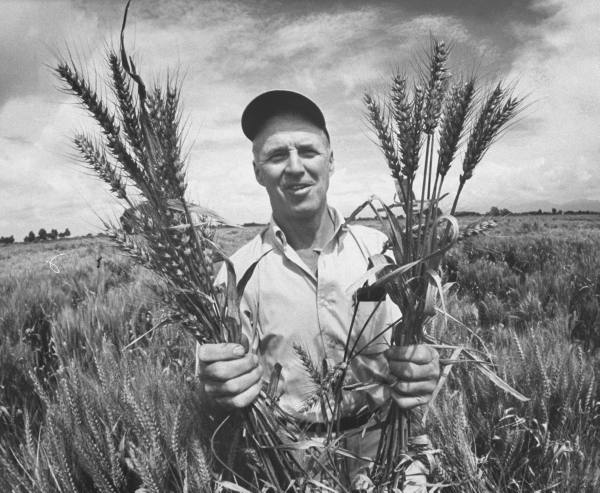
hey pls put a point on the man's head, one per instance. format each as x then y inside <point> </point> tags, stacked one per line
<point>293,159</point>
<point>278,102</point>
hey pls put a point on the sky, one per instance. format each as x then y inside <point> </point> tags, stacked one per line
<point>227,52</point>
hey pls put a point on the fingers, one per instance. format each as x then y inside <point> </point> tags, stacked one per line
<point>420,354</point>
<point>413,372</point>
<point>240,400</point>
<point>413,363</point>
<point>225,370</point>
<point>403,388</point>
<point>231,377</point>
<point>406,403</point>
<point>209,353</point>
<point>233,386</point>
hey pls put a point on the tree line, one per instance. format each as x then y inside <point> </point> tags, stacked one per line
<point>44,235</point>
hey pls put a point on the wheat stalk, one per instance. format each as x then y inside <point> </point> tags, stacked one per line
<point>456,111</point>
<point>436,87</point>
<point>140,146</point>
<point>414,281</point>
<point>498,109</point>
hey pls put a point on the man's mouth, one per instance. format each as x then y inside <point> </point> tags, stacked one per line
<point>296,187</point>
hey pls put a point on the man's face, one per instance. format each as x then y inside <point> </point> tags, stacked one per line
<point>293,161</point>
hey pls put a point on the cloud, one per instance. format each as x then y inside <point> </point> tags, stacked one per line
<point>557,152</point>
<point>226,52</point>
<point>30,32</point>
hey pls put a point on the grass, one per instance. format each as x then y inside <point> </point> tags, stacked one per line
<point>78,401</point>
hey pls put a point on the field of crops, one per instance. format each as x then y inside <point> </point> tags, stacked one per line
<point>88,400</point>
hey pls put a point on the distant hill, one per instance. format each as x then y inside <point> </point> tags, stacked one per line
<point>581,205</point>
<point>572,205</point>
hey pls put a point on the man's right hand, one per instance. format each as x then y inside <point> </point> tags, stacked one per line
<point>231,377</point>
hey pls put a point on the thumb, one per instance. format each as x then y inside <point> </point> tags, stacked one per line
<point>245,342</point>
<point>382,377</point>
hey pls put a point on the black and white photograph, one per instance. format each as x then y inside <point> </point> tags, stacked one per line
<point>299,246</point>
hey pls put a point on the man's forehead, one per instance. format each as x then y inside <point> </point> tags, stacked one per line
<point>279,128</point>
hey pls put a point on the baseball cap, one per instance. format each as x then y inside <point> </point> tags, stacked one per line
<point>272,103</point>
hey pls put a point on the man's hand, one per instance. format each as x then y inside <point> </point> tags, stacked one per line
<point>231,377</point>
<point>414,372</point>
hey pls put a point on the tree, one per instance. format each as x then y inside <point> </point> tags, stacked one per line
<point>53,234</point>
<point>30,237</point>
<point>42,234</point>
<point>7,240</point>
<point>553,210</point>
<point>67,233</point>
<point>494,211</point>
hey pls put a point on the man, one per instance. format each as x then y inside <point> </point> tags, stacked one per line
<point>298,295</point>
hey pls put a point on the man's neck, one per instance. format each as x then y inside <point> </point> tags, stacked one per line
<point>307,233</point>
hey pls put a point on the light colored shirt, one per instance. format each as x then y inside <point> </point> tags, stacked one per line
<point>285,304</point>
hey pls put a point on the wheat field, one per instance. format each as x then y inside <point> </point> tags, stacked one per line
<point>85,400</point>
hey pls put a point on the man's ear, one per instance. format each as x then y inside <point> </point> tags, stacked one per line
<point>331,162</point>
<point>257,173</point>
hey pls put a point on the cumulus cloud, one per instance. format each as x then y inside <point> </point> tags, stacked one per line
<point>553,153</point>
<point>226,52</point>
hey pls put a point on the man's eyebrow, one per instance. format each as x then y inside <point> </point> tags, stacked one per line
<point>307,146</point>
<point>274,148</point>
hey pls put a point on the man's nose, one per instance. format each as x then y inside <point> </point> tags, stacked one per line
<point>294,163</point>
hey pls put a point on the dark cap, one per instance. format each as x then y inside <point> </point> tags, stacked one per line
<point>278,102</point>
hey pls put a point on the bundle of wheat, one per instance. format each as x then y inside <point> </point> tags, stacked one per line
<point>139,154</point>
<point>437,111</point>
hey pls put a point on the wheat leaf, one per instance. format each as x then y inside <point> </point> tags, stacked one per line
<point>228,485</point>
<point>495,379</point>
<point>442,380</point>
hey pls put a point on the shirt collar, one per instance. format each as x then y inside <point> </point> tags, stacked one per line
<point>276,234</point>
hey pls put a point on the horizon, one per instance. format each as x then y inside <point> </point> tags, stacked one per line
<point>502,214</point>
<point>229,51</point>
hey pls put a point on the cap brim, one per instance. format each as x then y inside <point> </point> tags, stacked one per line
<point>277,102</point>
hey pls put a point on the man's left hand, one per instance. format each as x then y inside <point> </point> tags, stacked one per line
<point>414,373</point>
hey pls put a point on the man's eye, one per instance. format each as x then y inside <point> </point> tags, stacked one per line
<point>277,156</point>
<point>308,153</point>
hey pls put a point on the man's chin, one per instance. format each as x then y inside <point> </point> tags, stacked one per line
<point>303,211</point>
